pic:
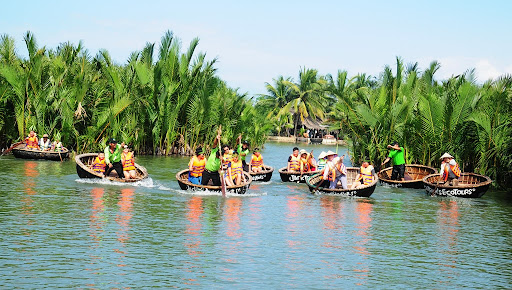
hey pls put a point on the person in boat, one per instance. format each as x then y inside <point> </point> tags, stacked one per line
<point>99,163</point>
<point>212,166</point>
<point>450,170</point>
<point>243,151</point>
<point>397,155</point>
<point>335,171</point>
<point>256,161</point>
<point>31,141</point>
<point>45,144</point>
<point>128,161</point>
<point>227,154</point>
<point>235,171</point>
<point>366,176</point>
<point>113,157</point>
<point>321,161</point>
<point>304,164</point>
<point>312,162</point>
<point>57,145</point>
<point>196,167</point>
<point>294,161</point>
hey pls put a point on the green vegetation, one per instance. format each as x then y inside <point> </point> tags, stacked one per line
<point>427,117</point>
<point>166,105</point>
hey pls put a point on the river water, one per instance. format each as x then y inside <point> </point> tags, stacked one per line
<point>57,231</point>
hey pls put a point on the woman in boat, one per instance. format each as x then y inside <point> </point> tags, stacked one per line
<point>31,141</point>
<point>304,164</point>
<point>256,161</point>
<point>321,161</point>
<point>235,171</point>
<point>196,167</point>
<point>294,161</point>
<point>366,176</point>
<point>57,145</point>
<point>312,161</point>
<point>450,170</point>
<point>243,151</point>
<point>128,161</point>
<point>397,155</point>
<point>99,163</point>
<point>211,169</point>
<point>335,171</point>
<point>45,144</point>
<point>113,157</point>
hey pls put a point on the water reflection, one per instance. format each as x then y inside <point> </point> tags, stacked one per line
<point>193,228</point>
<point>96,220</point>
<point>29,184</point>
<point>448,229</point>
<point>123,218</point>
<point>294,205</point>
<point>363,237</point>
<point>332,215</point>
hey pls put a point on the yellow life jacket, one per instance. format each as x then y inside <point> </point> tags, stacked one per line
<point>128,161</point>
<point>256,161</point>
<point>454,168</point>
<point>366,173</point>
<point>99,165</point>
<point>294,163</point>
<point>341,168</point>
<point>32,143</point>
<point>197,166</point>
<point>236,168</point>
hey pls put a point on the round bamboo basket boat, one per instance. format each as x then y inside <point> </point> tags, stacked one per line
<point>21,151</point>
<point>182,178</point>
<point>352,173</point>
<point>85,161</point>
<point>295,176</point>
<point>264,175</point>
<point>470,185</point>
<point>414,174</point>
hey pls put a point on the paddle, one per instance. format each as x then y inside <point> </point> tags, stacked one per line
<point>435,189</point>
<point>60,156</point>
<point>12,147</point>
<point>222,184</point>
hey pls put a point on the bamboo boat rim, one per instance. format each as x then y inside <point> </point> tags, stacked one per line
<point>247,182</point>
<point>269,169</point>
<point>486,181</point>
<point>374,183</point>
<point>21,147</point>
<point>78,160</point>
<point>284,171</point>
<point>387,180</point>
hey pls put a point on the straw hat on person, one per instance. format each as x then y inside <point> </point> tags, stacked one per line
<point>446,155</point>
<point>302,151</point>
<point>45,136</point>
<point>322,155</point>
<point>329,153</point>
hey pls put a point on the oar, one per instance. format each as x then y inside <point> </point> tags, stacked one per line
<point>12,147</point>
<point>60,156</point>
<point>222,184</point>
<point>435,189</point>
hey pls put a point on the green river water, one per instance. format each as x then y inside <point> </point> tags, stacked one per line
<point>57,231</point>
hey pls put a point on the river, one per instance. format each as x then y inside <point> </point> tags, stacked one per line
<point>57,231</point>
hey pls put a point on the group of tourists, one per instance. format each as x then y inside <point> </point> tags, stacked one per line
<point>116,157</point>
<point>44,144</point>
<point>301,161</point>
<point>227,163</point>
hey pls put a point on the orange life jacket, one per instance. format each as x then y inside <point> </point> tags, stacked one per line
<point>128,161</point>
<point>366,173</point>
<point>294,163</point>
<point>236,168</point>
<point>197,166</point>
<point>32,142</point>
<point>99,165</point>
<point>256,161</point>
<point>312,164</point>
<point>454,168</point>
<point>341,168</point>
<point>305,164</point>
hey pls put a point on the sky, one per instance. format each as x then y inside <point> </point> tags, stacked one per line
<point>258,41</point>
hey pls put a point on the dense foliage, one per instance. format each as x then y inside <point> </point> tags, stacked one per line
<point>166,105</point>
<point>427,117</point>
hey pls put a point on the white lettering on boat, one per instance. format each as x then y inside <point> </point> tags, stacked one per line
<point>297,178</point>
<point>258,177</point>
<point>451,192</point>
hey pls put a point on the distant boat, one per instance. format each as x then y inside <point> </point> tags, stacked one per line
<point>21,151</point>
<point>182,178</point>
<point>316,140</point>
<point>414,174</point>
<point>295,176</point>
<point>352,173</point>
<point>470,185</point>
<point>85,161</point>
<point>263,175</point>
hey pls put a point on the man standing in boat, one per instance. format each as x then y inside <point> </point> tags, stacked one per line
<point>397,154</point>
<point>113,157</point>
<point>243,151</point>
<point>211,169</point>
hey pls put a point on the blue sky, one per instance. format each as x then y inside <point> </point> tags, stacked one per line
<point>256,41</point>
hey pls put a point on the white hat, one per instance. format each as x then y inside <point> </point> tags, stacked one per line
<point>446,155</point>
<point>329,153</point>
<point>322,155</point>
<point>302,151</point>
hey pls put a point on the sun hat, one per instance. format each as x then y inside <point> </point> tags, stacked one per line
<point>112,140</point>
<point>322,155</point>
<point>302,151</point>
<point>45,136</point>
<point>446,155</point>
<point>329,153</point>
